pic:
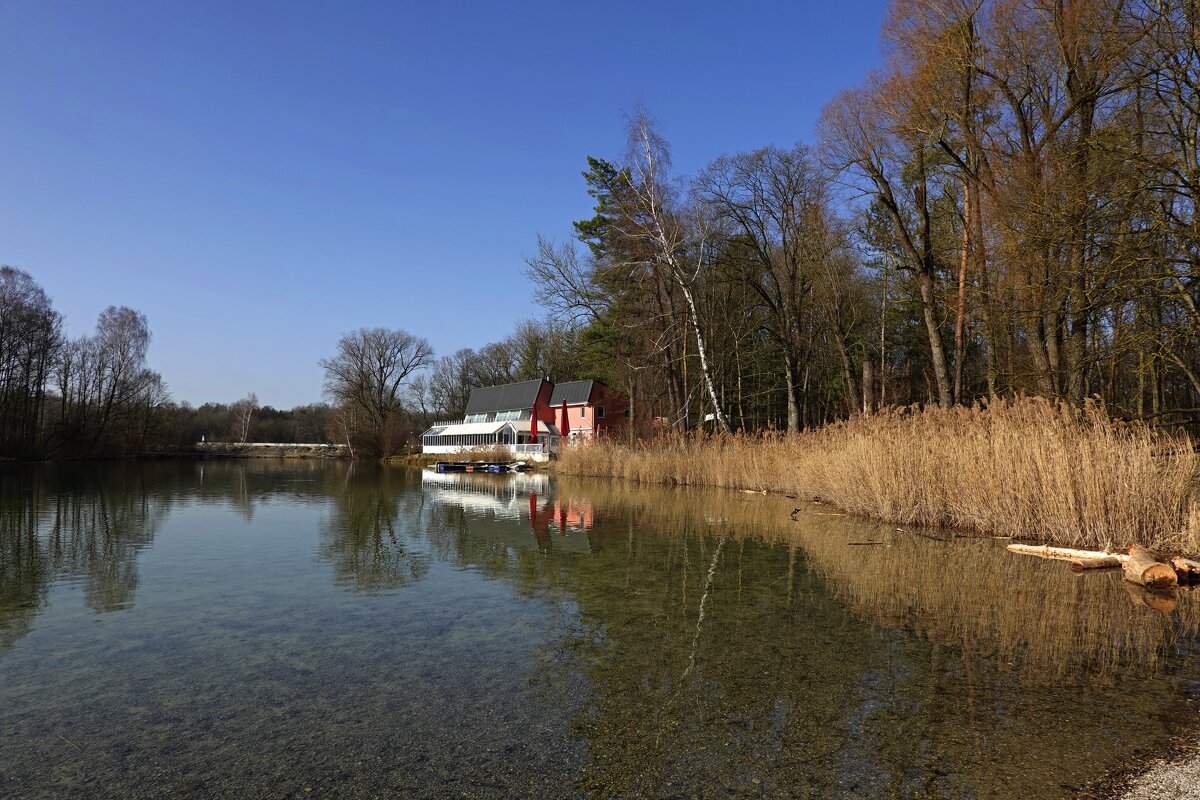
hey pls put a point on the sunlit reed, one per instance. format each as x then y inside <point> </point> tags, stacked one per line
<point>1024,468</point>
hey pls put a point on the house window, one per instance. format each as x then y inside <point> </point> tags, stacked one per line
<point>582,412</point>
<point>599,412</point>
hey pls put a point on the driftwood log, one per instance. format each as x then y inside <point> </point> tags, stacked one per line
<point>1063,553</point>
<point>1099,562</point>
<point>1141,567</point>
<point>1145,568</point>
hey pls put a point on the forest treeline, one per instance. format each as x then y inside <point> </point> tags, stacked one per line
<point>95,396</point>
<point>1007,206</point>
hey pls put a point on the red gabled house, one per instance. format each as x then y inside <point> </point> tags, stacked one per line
<point>585,409</point>
<point>530,417</point>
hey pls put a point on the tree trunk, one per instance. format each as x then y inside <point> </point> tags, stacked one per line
<point>793,394</point>
<point>1145,569</point>
<point>868,387</point>
<point>960,310</point>
<point>1186,570</point>
<point>937,351</point>
<point>702,351</point>
<point>1103,562</point>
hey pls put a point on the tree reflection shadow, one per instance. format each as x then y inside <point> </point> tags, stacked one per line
<point>71,523</point>
<point>366,535</point>
<point>721,649</point>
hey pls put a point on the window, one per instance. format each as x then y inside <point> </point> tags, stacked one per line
<point>582,412</point>
<point>599,412</point>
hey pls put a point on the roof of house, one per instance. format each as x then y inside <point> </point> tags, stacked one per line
<point>572,393</point>
<point>485,428</point>
<point>508,397</point>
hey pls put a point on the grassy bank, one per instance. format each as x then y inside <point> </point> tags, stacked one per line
<point>1023,468</point>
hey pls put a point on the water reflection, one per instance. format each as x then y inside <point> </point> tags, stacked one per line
<point>718,638</point>
<point>524,636</point>
<point>74,524</point>
<point>367,534</point>
<point>1029,614</point>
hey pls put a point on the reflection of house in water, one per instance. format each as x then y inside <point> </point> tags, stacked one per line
<point>528,499</point>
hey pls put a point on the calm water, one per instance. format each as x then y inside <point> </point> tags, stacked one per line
<point>291,629</point>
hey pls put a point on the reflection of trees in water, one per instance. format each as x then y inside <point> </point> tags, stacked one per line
<point>90,521</point>
<point>69,522</point>
<point>24,567</point>
<point>245,483</point>
<point>818,668</point>
<point>821,668</point>
<point>98,533</point>
<point>366,535</point>
<point>1049,623</point>
<point>1033,614</point>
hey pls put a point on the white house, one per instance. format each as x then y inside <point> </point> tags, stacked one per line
<point>501,417</point>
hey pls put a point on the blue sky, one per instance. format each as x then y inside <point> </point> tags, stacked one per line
<point>259,178</point>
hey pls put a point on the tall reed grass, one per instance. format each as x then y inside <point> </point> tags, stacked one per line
<point>1025,468</point>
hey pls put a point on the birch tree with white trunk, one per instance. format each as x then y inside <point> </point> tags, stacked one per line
<point>678,235</point>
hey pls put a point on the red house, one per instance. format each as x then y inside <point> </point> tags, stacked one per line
<point>508,416</point>
<point>592,408</point>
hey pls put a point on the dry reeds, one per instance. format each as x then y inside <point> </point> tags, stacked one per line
<point>1023,467</point>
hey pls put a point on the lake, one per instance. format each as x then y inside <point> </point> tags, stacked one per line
<point>267,628</point>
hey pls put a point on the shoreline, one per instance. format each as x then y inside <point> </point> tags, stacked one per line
<point>1025,469</point>
<point>1172,772</point>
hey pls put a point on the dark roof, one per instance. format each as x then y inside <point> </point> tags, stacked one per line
<point>508,397</point>
<point>572,393</point>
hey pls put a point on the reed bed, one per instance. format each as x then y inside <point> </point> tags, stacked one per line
<point>1025,468</point>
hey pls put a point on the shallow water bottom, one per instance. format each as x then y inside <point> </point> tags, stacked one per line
<point>282,629</point>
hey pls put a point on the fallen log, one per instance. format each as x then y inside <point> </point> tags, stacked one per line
<point>1063,553</point>
<point>1187,570</point>
<point>1101,562</point>
<point>1144,568</point>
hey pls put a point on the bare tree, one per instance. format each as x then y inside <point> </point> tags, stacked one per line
<point>861,137</point>
<point>368,375</point>
<point>30,341</point>
<point>678,237</point>
<point>564,284</point>
<point>243,411</point>
<point>776,202</point>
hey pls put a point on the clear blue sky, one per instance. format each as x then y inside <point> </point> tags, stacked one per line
<point>258,178</point>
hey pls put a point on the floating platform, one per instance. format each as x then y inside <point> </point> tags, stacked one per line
<point>480,466</point>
